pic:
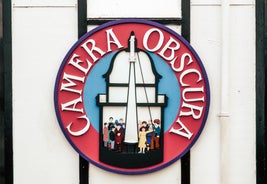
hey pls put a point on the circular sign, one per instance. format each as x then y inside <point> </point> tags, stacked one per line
<point>131,96</point>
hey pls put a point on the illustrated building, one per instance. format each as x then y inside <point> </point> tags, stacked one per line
<point>131,96</point>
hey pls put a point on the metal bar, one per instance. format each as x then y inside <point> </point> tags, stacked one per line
<point>2,138</point>
<point>7,67</point>
<point>99,21</point>
<point>82,17</point>
<point>261,110</point>
<point>186,19</point>
<point>83,171</point>
<point>185,160</point>
<point>185,169</point>
<point>82,29</point>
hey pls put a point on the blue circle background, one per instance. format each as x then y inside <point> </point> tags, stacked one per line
<point>95,84</point>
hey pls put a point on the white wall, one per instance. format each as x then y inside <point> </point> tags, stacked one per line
<point>43,31</point>
<point>224,37</point>
<point>136,8</point>
<point>42,34</point>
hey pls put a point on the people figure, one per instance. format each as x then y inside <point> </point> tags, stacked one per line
<point>157,130</point>
<point>105,135</point>
<point>139,124</point>
<point>142,138</point>
<point>112,137</point>
<point>149,135</point>
<point>110,122</point>
<point>122,124</point>
<point>119,136</point>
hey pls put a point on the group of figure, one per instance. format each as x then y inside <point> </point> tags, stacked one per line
<point>149,135</point>
<point>113,134</point>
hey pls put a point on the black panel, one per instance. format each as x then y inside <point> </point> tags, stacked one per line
<point>7,66</point>
<point>261,58</point>
<point>82,29</point>
<point>185,160</point>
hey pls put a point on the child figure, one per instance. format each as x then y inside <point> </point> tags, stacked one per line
<point>110,123</point>
<point>142,139</point>
<point>157,130</point>
<point>112,137</point>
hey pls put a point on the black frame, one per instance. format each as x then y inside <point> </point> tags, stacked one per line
<point>261,110</point>
<point>186,32</point>
<point>185,22</point>
<point>82,29</point>
<point>6,85</point>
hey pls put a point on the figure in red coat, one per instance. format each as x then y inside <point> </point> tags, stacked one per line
<point>119,136</point>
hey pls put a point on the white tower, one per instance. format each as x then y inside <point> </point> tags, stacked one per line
<point>131,131</point>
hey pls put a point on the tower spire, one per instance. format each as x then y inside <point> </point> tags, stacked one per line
<point>132,47</point>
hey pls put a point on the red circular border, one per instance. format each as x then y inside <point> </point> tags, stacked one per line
<point>175,146</point>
